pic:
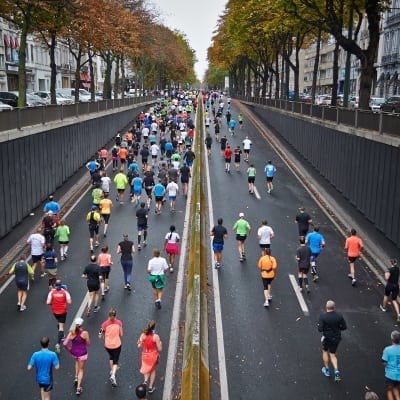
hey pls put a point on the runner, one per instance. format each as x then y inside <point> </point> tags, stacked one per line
<point>105,183</point>
<point>353,246</point>
<point>218,233</point>
<point>76,343</point>
<point>44,361</point>
<point>242,229</point>
<point>171,246</point>
<point>390,359</point>
<point>105,211</point>
<point>111,331</point>
<point>392,288</point>
<point>267,264</point>
<point>50,264</point>
<point>331,323</point>
<point>97,194</point>
<point>52,206</point>
<point>22,271</point>
<point>58,299</point>
<point>240,120</point>
<point>136,189</point>
<point>93,276</point>
<point>105,262</point>
<point>122,154</point>
<point>237,154</point>
<point>208,143</point>
<point>251,177</point>
<point>269,170</point>
<point>316,243</point>
<point>228,158</point>
<point>156,268</point>
<point>114,157</point>
<point>92,166</point>
<point>142,217</point>
<point>303,257</point>
<point>303,220</point>
<point>246,147</point>
<point>121,181</point>
<point>232,125</point>
<point>185,174</point>
<point>38,244</point>
<point>172,190</point>
<point>126,249</point>
<point>224,141</point>
<point>151,346</point>
<point>159,192</point>
<point>49,223</point>
<point>148,184</point>
<point>264,234</point>
<point>93,218</point>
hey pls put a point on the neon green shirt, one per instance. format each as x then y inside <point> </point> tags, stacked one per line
<point>241,227</point>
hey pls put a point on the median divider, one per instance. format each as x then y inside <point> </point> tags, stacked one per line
<point>195,366</point>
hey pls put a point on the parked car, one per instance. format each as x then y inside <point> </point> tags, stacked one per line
<point>34,101</point>
<point>5,107</point>
<point>61,99</point>
<point>375,103</point>
<point>353,102</point>
<point>339,100</point>
<point>9,98</point>
<point>391,104</point>
<point>323,99</point>
<point>84,95</point>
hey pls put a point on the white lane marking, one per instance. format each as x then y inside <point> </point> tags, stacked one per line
<point>223,380</point>
<point>256,193</point>
<point>174,335</point>
<point>80,311</point>
<point>299,296</point>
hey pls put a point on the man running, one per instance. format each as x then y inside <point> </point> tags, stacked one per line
<point>316,243</point>
<point>142,216</point>
<point>93,219</point>
<point>121,181</point>
<point>172,190</point>
<point>159,192</point>
<point>208,142</point>
<point>303,221</point>
<point>246,148</point>
<point>185,174</point>
<point>105,211</point>
<point>236,159</point>
<point>38,243</point>
<point>265,233</point>
<point>353,246</point>
<point>58,299</point>
<point>392,288</point>
<point>242,229</point>
<point>269,170</point>
<point>92,274</point>
<point>218,233</point>
<point>228,158</point>
<point>303,257</point>
<point>251,177</point>
<point>22,271</point>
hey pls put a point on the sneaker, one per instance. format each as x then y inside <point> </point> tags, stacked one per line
<point>103,297</point>
<point>171,269</point>
<point>97,244</point>
<point>315,278</point>
<point>79,391</point>
<point>158,304</point>
<point>113,380</point>
<point>337,376</point>
<point>349,276</point>
<point>382,308</point>
<point>266,303</point>
<point>104,234</point>
<point>65,255</point>
<point>62,258</point>
<point>128,286</point>
<point>241,258</point>
<point>217,265</point>
<point>92,251</point>
<point>96,309</point>
<point>57,348</point>
<point>353,282</point>
<point>326,372</point>
<point>43,274</point>
<point>300,289</point>
<point>151,390</point>
<point>139,247</point>
<point>22,308</point>
<point>144,244</point>
<point>106,289</point>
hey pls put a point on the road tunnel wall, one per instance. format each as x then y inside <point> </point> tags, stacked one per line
<point>366,172</point>
<point>35,165</point>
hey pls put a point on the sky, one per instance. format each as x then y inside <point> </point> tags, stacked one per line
<point>197,19</point>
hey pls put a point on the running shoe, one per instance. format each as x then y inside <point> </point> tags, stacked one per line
<point>79,391</point>
<point>128,286</point>
<point>158,304</point>
<point>96,309</point>
<point>103,297</point>
<point>144,244</point>
<point>97,244</point>
<point>337,376</point>
<point>139,247</point>
<point>57,348</point>
<point>113,380</point>
<point>349,276</point>
<point>171,269</point>
<point>18,306</point>
<point>104,234</point>
<point>315,278</point>
<point>353,282</point>
<point>382,308</point>
<point>151,390</point>
<point>269,297</point>
<point>217,265</point>
<point>326,372</point>
<point>22,308</point>
<point>65,255</point>
<point>266,303</point>
<point>76,381</point>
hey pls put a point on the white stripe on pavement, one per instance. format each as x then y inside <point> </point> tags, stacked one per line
<point>223,380</point>
<point>256,193</point>
<point>299,296</point>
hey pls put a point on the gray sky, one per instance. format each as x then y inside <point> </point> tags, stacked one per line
<point>197,19</point>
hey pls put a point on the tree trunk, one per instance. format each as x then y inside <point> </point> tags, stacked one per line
<point>53,68</point>
<point>116,77</point>
<point>78,74</point>
<point>122,78</point>
<point>277,77</point>
<point>22,62</point>
<point>366,80</point>
<point>91,72</point>
<point>248,81</point>
<point>107,76</point>
<point>335,74</point>
<point>316,67</point>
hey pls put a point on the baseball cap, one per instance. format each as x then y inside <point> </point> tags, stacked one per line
<point>50,212</point>
<point>94,207</point>
<point>78,322</point>
<point>241,215</point>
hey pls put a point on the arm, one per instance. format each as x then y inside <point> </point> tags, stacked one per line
<point>85,335</point>
<point>118,249</point>
<point>158,342</point>
<point>387,275</point>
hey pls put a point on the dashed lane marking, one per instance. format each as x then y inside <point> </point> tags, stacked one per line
<point>299,296</point>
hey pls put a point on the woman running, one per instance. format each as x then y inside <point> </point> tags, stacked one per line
<point>104,261</point>
<point>171,246</point>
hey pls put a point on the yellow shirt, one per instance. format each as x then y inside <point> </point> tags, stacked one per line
<point>105,206</point>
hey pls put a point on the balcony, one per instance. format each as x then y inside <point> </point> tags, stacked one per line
<point>393,58</point>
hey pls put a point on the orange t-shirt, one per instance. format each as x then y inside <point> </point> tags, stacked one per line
<point>123,153</point>
<point>267,265</point>
<point>103,153</point>
<point>353,245</point>
<point>105,206</point>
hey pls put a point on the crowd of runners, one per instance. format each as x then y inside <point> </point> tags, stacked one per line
<point>151,167</point>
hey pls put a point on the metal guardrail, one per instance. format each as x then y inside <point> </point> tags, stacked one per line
<point>362,119</point>
<point>195,368</point>
<point>29,116</point>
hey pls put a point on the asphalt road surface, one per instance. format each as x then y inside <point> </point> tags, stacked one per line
<point>270,353</point>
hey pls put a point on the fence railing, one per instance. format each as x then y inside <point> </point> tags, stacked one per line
<point>29,116</point>
<point>362,119</point>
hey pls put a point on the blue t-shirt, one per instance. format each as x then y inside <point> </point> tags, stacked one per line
<point>44,361</point>
<point>134,167</point>
<point>51,206</point>
<point>92,166</point>
<point>137,183</point>
<point>269,170</point>
<point>168,146</point>
<point>232,124</point>
<point>50,259</point>
<point>391,356</point>
<point>314,241</point>
<point>159,190</point>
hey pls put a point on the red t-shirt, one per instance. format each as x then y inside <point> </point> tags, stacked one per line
<point>59,301</point>
<point>353,246</point>
<point>228,153</point>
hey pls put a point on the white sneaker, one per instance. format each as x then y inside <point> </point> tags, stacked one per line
<point>266,304</point>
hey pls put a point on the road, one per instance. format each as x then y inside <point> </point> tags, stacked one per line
<point>269,353</point>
